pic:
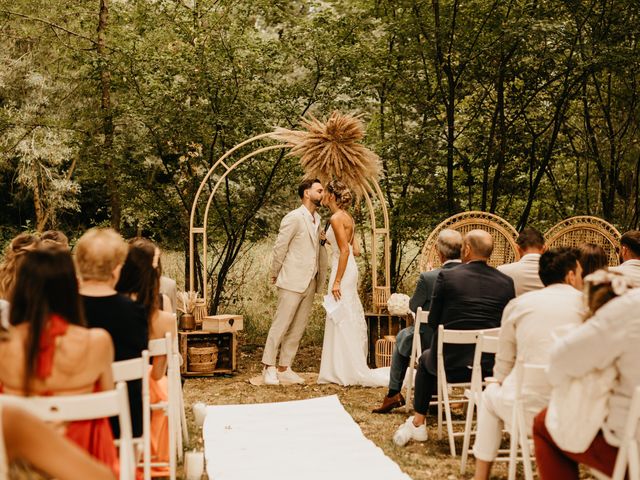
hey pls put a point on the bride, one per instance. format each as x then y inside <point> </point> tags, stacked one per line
<point>344,350</point>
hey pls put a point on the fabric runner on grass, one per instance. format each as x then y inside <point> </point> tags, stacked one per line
<point>310,439</point>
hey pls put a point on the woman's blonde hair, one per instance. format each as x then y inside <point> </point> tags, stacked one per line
<point>20,244</point>
<point>343,195</point>
<point>602,286</point>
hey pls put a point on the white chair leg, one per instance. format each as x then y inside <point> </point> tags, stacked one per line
<point>467,433</point>
<point>440,396</point>
<point>447,412</point>
<point>513,447</point>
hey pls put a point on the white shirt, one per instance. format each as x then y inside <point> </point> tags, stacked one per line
<point>526,327</point>
<point>630,269</point>
<point>524,273</point>
<point>610,337</point>
<point>314,219</point>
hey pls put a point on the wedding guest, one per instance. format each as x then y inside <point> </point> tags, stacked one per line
<point>448,245</point>
<point>140,281</point>
<point>15,250</point>
<point>592,258</point>
<point>609,339</point>
<point>100,254</point>
<point>49,350</point>
<point>630,255</point>
<point>471,296</point>
<point>526,334</point>
<point>169,289</point>
<point>56,237</point>
<point>524,272</point>
<point>26,438</point>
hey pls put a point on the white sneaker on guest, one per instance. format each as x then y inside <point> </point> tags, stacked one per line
<point>269,376</point>
<point>289,376</point>
<point>408,431</point>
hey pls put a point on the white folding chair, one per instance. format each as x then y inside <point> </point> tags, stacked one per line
<point>420,317</point>
<point>181,416</point>
<point>158,347</point>
<point>89,406</point>
<point>485,344</point>
<point>627,459</point>
<point>455,337</point>
<point>526,374</point>
<point>138,369</point>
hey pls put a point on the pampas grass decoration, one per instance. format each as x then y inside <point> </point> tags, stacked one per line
<point>333,150</point>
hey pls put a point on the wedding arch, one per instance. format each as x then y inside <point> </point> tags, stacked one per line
<point>373,197</point>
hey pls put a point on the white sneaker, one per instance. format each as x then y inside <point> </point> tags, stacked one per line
<point>289,376</point>
<point>408,431</point>
<point>269,376</point>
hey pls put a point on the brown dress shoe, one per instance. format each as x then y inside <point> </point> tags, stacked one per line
<point>389,403</point>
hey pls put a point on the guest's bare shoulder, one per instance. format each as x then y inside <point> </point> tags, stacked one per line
<point>162,323</point>
<point>100,340</point>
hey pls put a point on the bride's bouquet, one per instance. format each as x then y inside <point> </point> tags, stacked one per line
<point>398,304</point>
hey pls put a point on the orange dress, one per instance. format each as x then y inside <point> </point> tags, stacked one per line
<point>94,436</point>
<point>158,392</point>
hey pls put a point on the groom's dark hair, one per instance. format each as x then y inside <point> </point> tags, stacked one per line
<point>306,185</point>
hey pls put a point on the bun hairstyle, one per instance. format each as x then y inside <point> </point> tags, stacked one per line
<point>14,253</point>
<point>343,195</point>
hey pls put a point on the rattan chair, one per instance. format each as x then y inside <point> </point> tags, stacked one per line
<point>584,229</point>
<point>504,238</point>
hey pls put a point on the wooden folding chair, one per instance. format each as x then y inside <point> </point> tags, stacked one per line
<point>138,369</point>
<point>456,337</point>
<point>421,317</point>
<point>158,347</point>
<point>485,344</point>
<point>627,460</point>
<point>70,408</point>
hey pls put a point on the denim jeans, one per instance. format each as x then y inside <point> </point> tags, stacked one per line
<point>402,354</point>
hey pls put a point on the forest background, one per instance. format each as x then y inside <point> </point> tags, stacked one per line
<point>112,112</point>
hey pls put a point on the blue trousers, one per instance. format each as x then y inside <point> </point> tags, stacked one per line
<point>402,354</point>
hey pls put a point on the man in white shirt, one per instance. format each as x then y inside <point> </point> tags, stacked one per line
<point>630,254</point>
<point>524,272</point>
<point>525,333</point>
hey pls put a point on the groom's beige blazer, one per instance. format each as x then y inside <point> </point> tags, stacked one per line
<point>298,256</point>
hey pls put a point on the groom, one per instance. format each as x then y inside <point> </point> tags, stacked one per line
<point>298,269</point>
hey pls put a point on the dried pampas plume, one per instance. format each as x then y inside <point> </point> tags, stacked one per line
<point>333,150</point>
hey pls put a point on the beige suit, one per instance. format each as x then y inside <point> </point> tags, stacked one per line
<point>524,273</point>
<point>630,269</point>
<point>299,265</point>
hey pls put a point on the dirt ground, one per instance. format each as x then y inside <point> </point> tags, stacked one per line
<point>430,460</point>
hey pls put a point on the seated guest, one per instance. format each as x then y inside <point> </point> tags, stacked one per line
<point>140,281</point>
<point>169,289</point>
<point>49,351</point>
<point>592,258</point>
<point>448,245</point>
<point>55,237</point>
<point>607,340</point>
<point>524,272</point>
<point>17,247</point>
<point>469,297</point>
<point>526,334</point>
<point>29,439</point>
<point>630,255</point>
<point>100,254</point>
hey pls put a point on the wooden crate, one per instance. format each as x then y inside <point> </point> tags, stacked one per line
<point>227,344</point>
<point>380,325</point>
<point>222,323</point>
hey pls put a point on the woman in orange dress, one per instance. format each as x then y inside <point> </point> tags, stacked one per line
<point>140,279</point>
<point>49,351</point>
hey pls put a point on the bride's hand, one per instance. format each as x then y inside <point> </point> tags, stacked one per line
<point>336,290</point>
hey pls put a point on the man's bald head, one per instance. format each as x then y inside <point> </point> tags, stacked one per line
<point>477,245</point>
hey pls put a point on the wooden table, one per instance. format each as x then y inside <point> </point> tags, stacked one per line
<point>227,344</point>
<point>381,324</point>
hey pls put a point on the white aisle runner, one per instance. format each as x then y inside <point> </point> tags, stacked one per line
<point>305,439</point>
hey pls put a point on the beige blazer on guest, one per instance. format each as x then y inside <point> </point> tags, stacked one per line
<point>524,273</point>
<point>298,256</point>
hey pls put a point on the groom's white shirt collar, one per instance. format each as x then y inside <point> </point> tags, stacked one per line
<point>315,217</point>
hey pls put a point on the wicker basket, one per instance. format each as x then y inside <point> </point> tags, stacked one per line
<point>202,359</point>
<point>384,351</point>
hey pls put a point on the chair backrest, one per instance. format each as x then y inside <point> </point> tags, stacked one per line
<point>463,337</point>
<point>160,346</point>
<point>133,369</point>
<point>486,343</point>
<point>505,249</point>
<point>575,231</point>
<point>421,316</point>
<point>529,374</point>
<point>70,408</point>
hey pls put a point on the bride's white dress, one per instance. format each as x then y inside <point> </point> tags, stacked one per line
<point>344,350</point>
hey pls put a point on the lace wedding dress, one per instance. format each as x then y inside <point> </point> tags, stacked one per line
<point>344,350</point>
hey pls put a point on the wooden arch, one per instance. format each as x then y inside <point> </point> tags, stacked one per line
<point>504,237</point>
<point>381,287</point>
<point>585,229</point>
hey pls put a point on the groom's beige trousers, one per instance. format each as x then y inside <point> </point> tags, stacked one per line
<point>289,323</point>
